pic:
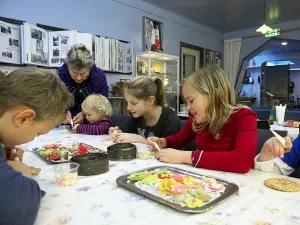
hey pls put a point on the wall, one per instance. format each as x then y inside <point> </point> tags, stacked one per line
<point>252,43</point>
<point>121,19</point>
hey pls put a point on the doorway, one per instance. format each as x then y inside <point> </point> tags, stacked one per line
<point>191,59</point>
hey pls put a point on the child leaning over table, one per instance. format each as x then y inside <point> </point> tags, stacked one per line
<point>225,133</point>
<point>32,102</point>
<point>274,158</point>
<point>97,110</point>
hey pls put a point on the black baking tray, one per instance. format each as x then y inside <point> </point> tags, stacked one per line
<point>35,150</point>
<point>231,189</point>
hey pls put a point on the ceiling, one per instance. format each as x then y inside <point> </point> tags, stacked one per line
<point>231,15</point>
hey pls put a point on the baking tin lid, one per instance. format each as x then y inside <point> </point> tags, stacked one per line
<point>121,151</point>
<point>91,163</point>
<point>121,147</point>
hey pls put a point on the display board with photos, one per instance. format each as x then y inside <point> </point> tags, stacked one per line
<point>9,43</point>
<point>113,55</point>
<point>212,58</point>
<point>49,48</point>
<point>42,45</point>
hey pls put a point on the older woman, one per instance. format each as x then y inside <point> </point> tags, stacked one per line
<point>82,78</point>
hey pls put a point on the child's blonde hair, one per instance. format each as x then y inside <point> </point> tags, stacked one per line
<point>97,103</point>
<point>41,90</point>
<point>212,82</point>
<point>142,87</point>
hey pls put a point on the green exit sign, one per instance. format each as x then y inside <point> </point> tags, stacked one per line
<point>273,32</point>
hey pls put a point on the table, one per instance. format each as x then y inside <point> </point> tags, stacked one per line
<point>293,132</point>
<point>98,199</point>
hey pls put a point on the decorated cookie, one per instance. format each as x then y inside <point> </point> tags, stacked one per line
<point>199,194</point>
<point>178,193</point>
<point>150,180</point>
<point>177,177</point>
<point>166,185</point>
<point>35,171</point>
<point>138,176</point>
<point>208,180</point>
<point>215,186</point>
<point>193,202</point>
<point>163,174</point>
<point>189,180</point>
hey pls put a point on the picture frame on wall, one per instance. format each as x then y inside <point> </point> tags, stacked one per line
<point>209,59</point>
<point>153,35</point>
<point>218,59</point>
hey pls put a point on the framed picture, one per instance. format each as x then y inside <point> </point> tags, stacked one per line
<point>218,59</point>
<point>209,58</point>
<point>153,37</point>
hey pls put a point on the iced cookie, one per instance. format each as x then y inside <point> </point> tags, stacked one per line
<point>138,176</point>
<point>178,193</point>
<point>150,180</point>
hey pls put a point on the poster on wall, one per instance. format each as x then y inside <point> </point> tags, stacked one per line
<point>218,59</point>
<point>9,43</point>
<point>209,58</point>
<point>35,45</point>
<point>60,43</point>
<point>153,37</point>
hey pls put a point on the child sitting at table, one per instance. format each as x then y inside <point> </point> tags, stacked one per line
<point>225,133</point>
<point>274,158</point>
<point>149,117</point>
<point>32,102</point>
<point>97,110</point>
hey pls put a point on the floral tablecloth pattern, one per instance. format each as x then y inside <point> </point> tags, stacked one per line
<point>98,199</point>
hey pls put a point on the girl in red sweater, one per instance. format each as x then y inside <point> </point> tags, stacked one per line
<point>225,133</point>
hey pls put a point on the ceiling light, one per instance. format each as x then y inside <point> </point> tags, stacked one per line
<point>284,43</point>
<point>263,29</point>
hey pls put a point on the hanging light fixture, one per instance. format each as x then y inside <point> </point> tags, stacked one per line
<point>264,28</point>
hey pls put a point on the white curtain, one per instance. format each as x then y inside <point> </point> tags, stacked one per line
<point>232,50</point>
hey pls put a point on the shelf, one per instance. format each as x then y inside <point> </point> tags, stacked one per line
<point>155,74</point>
<point>116,72</point>
<point>116,97</point>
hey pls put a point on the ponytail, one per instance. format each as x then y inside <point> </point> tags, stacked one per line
<point>161,94</point>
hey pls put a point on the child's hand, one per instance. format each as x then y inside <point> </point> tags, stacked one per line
<point>114,130</point>
<point>170,155</point>
<point>21,167</point>
<point>273,148</point>
<point>68,118</point>
<point>79,118</point>
<point>14,153</point>
<point>75,127</point>
<point>128,138</point>
<point>160,141</point>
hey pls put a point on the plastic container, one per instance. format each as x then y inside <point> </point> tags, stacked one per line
<point>66,174</point>
<point>65,129</point>
<point>144,151</point>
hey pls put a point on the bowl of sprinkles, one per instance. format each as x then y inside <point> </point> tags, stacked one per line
<point>66,174</point>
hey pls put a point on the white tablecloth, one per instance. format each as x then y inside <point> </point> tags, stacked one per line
<point>98,199</point>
